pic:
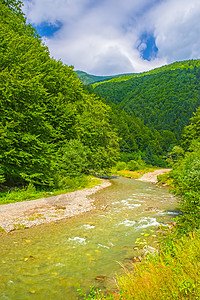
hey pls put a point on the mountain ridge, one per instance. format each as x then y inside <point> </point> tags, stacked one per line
<point>95,80</point>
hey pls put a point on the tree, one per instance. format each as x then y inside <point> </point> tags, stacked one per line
<point>43,107</point>
<point>192,131</point>
<point>16,7</point>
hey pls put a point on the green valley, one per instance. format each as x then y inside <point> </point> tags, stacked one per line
<point>152,108</point>
<point>61,129</point>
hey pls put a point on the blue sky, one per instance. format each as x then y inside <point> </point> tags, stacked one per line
<point>105,37</point>
<point>46,29</point>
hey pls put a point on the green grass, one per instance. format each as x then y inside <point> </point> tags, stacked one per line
<point>166,179</point>
<point>134,174</point>
<point>173,274</point>
<point>30,192</point>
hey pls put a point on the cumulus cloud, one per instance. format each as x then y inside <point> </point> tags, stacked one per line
<point>177,29</point>
<point>104,37</point>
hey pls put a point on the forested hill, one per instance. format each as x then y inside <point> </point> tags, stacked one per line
<point>165,98</point>
<point>51,128</point>
<point>90,79</point>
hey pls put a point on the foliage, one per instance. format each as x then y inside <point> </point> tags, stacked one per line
<point>134,174</point>
<point>164,98</point>
<point>121,165</point>
<point>90,79</point>
<point>133,165</point>
<point>166,179</point>
<point>15,6</point>
<point>186,176</point>
<point>46,114</point>
<point>31,192</point>
<point>176,154</point>
<point>74,160</point>
<point>93,294</point>
<point>170,275</point>
<point>191,133</point>
<point>137,141</point>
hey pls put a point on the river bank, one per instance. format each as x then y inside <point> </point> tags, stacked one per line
<point>26,214</point>
<point>55,259</point>
<point>152,176</point>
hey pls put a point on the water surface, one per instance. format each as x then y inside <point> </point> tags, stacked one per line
<point>52,261</point>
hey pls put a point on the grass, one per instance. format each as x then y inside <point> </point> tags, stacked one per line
<point>30,192</point>
<point>172,274</point>
<point>134,174</point>
<point>166,179</point>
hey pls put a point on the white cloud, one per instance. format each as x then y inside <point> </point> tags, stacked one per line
<point>102,36</point>
<point>177,29</point>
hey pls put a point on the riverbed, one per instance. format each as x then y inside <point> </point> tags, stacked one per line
<point>52,261</point>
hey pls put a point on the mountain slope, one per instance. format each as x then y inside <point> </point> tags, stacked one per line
<point>90,79</point>
<point>165,98</point>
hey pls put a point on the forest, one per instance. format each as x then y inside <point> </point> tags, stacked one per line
<point>164,99</point>
<point>52,128</point>
<point>55,129</point>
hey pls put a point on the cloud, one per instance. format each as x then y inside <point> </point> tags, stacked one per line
<point>177,29</point>
<point>107,36</point>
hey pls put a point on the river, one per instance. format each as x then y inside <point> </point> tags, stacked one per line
<point>52,261</point>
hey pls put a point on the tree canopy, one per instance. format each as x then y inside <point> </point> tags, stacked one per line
<point>44,110</point>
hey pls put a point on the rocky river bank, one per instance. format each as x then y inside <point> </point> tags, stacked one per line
<point>25,214</point>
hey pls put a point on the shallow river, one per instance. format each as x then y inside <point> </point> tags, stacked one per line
<point>52,261</point>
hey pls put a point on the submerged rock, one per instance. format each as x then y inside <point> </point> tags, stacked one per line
<point>101,278</point>
<point>135,259</point>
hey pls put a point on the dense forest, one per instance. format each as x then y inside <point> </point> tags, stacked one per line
<point>51,128</point>
<point>155,107</point>
<point>164,98</point>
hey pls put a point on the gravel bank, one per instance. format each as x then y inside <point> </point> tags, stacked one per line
<point>152,177</point>
<point>30,213</point>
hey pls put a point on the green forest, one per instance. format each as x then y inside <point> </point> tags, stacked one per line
<point>164,99</point>
<point>52,128</point>
<point>55,129</point>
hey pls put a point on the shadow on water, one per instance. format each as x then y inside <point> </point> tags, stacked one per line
<point>52,261</point>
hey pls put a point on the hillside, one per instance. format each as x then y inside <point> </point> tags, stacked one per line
<point>52,130</point>
<point>165,98</point>
<point>90,79</point>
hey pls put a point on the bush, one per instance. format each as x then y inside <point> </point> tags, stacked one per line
<point>133,165</point>
<point>121,165</point>
<point>72,183</point>
<point>186,177</point>
<point>187,174</point>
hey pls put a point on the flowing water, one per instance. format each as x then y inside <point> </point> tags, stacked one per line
<point>52,261</point>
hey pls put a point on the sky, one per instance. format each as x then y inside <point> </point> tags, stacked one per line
<point>107,37</point>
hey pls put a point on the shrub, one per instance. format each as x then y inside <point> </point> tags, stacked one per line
<point>121,165</point>
<point>133,165</point>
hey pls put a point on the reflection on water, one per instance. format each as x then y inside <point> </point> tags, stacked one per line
<point>52,261</point>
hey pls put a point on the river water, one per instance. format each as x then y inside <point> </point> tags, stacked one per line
<point>52,261</point>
